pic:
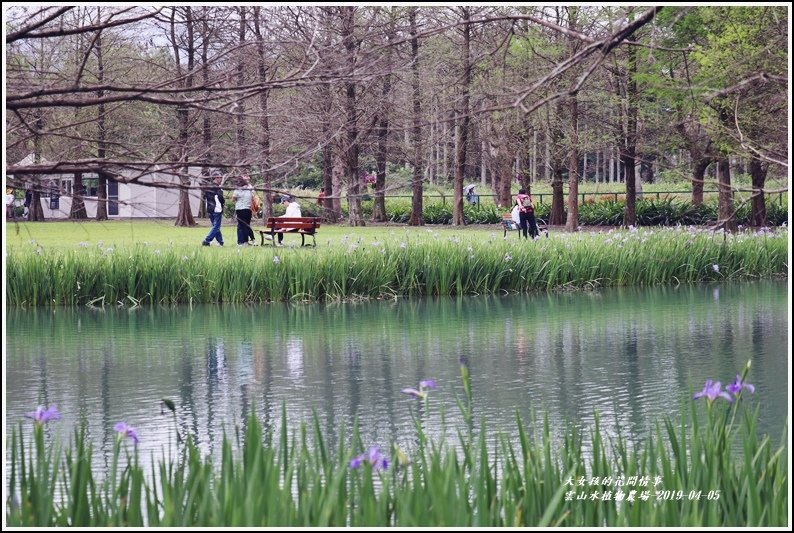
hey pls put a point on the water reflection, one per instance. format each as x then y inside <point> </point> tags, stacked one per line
<point>632,355</point>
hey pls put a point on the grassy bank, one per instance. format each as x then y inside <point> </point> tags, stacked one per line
<point>351,263</point>
<point>707,469</point>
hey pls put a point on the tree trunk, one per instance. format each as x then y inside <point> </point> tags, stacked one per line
<point>417,218</point>
<point>644,172</point>
<point>239,105</point>
<point>504,173</point>
<point>572,222</point>
<point>629,154</point>
<point>557,214</point>
<point>483,163</point>
<point>78,211</point>
<point>547,152</point>
<point>437,139</point>
<point>533,173</point>
<point>206,129</point>
<point>463,123</point>
<point>758,170</point>
<point>445,151</point>
<point>337,177</point>
<point>379,205</point>
<point>35,212</point>
<point>331,179</point>
<point>102,180</point>
<point>698,178</point>
<point>328,212</point>
<point>727,216</point>
<point>598,166</point>
<point>331,206</point>
<point>264,144</point>
<point>630,209</point>
<point>351,124</point>
<point>184,216</point>
<point>611,165</point>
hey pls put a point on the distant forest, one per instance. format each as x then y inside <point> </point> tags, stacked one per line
<point>338,97</point>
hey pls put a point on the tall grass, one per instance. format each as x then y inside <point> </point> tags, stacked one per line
<point>399,265</point>
<point>706,469</point>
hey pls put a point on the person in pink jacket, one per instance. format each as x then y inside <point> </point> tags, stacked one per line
<point>526,213</point>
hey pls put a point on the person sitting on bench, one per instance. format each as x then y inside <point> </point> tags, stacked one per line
<point>293,210</point>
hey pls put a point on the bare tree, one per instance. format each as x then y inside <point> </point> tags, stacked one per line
<point>351,44</point>
<point>262,72</point>
<point>379,205</point>
<point>417,218</point>
<point>184,216</point>
<point>102,187</point>
<point>629,145</point>
<point>572,222</point>
<point>462,122</point>
<point>302,94</point>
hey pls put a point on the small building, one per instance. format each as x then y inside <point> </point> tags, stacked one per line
<point>154,194</point>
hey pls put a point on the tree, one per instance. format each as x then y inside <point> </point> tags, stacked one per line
<point>379,205</point>
<point>572,222</point>
<point>745,55</point>
<point>347,15</point>
<point>184,216</point>
<point>462,120</point>
<point>262,72</point>
<point>301,95</point>
<point>727,89</point>
<point>102,186</point>
<point>628,151</point>
<point>416,183</point>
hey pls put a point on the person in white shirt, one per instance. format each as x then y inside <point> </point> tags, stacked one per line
<point>241,197</point>
<point>293,210</point>
<point>9,204</point>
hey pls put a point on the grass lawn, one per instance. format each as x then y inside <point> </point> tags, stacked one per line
<point>114,233</point>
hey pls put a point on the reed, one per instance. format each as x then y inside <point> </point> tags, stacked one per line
<point>709,468</point>
<point>389,265</point>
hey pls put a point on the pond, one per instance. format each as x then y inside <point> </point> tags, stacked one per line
<point>632,355</point>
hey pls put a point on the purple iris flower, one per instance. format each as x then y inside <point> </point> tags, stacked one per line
<point>428,384</point>
<point>736,387</point>
<point>127,431</point>
<point>42,415</point>
<point>373,457</point>
<point>415,393</point>
<point>711,391</point>
<point>424,386</point>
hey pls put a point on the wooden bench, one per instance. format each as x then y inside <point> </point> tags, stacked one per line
<point>301,225</point>
<point>508,224</point>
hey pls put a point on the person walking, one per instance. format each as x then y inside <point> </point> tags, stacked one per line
<point>213,196</point>
<point>28,201</point>
<point>526,213</point>
<point>242,197</point>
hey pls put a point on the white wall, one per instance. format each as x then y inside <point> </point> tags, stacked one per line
<point>135,199</point>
